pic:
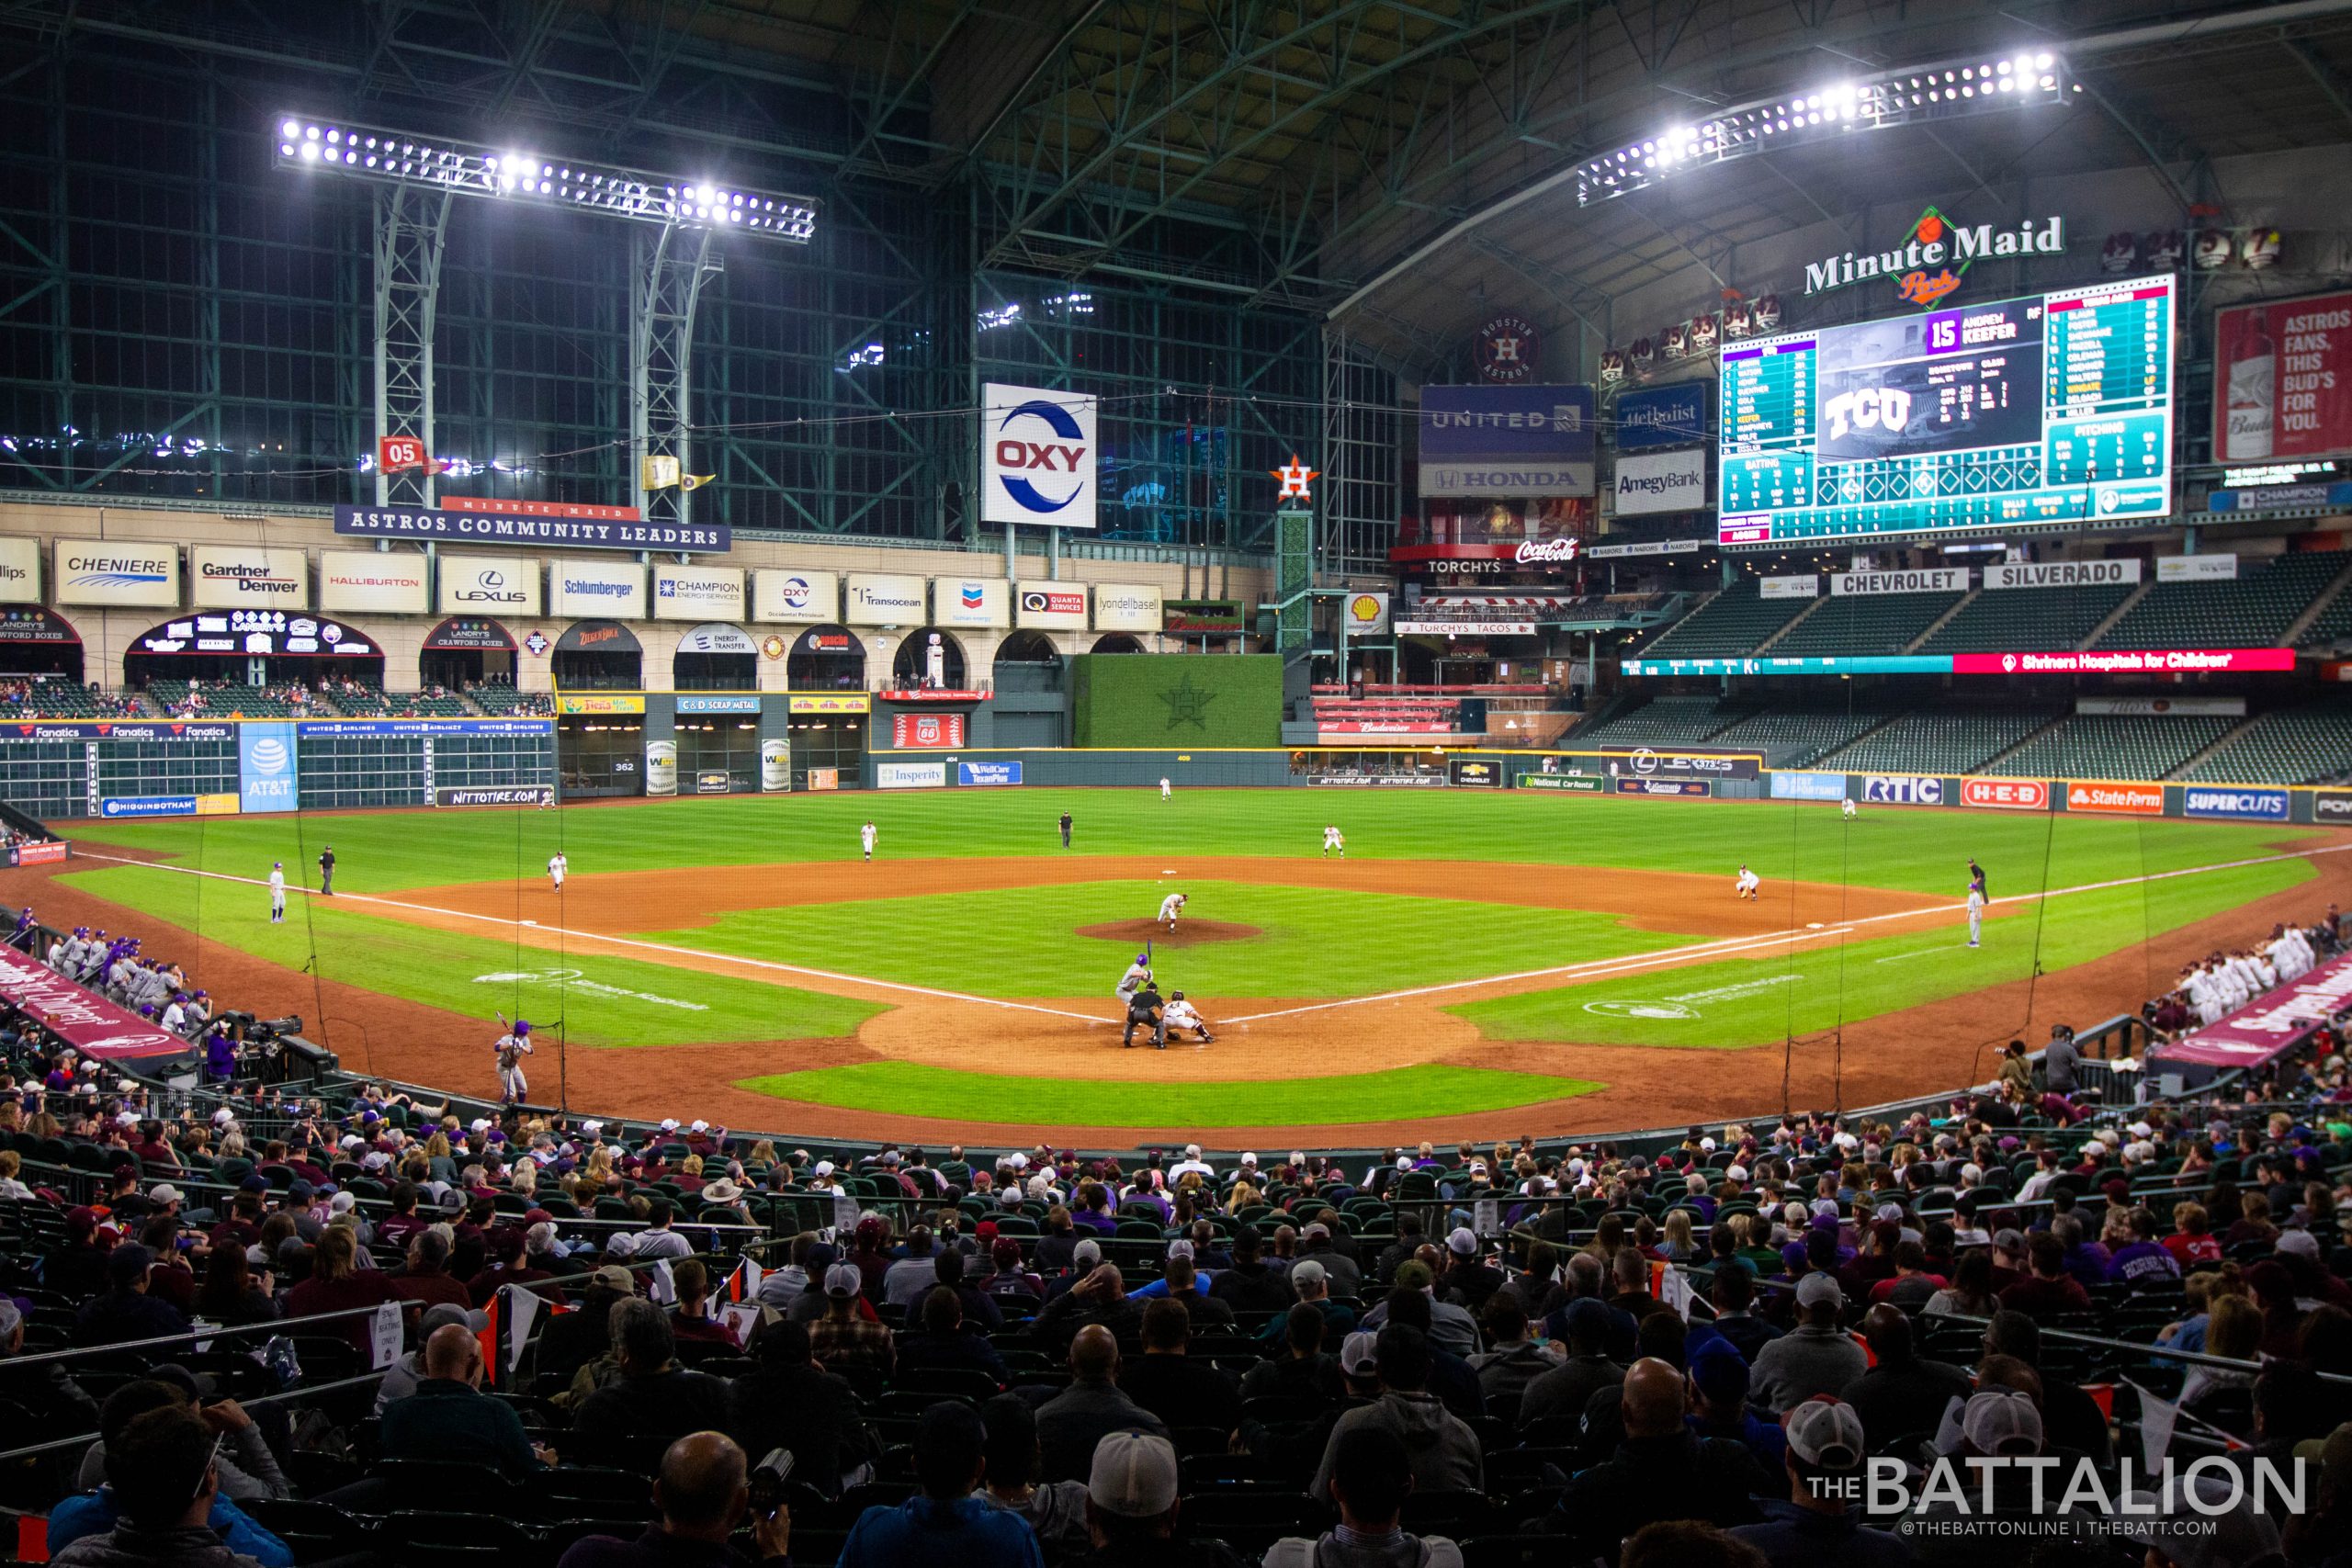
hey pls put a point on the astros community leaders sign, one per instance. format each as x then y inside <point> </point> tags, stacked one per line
<point>585,533</point>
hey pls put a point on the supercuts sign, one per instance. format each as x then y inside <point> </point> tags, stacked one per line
<point>1037,453</point>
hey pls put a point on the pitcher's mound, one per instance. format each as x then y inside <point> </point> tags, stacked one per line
<point>1188,933</point>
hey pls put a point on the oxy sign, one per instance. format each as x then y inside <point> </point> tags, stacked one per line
<point>1037,457</point>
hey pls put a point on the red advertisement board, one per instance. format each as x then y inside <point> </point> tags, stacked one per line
<point>927,731</point>
<point>2123,799</point>
<point>2008,795</point>
<point>2125,661</point>
<point>2283,380</point>
<point>83,1019</point>
<point>2269,1025</point>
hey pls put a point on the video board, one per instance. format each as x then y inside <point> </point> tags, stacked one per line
<point>2054,408</point>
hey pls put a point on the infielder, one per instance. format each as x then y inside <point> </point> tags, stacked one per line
<point>1748,883</point>
<point>1977,902</point>
<point>1332,841</point>
<point>1181,1014</point>
<point>1169,907</point>
<point>865,839</point>
<point>558,864</point>
<point>513,1046</point>
<point>1166,792</point>
<point>277,893</point>
<point>1847,808</point>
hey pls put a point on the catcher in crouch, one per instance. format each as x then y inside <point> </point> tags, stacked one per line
<point>1180,1015</point>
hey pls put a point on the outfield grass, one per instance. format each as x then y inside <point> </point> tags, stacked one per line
<point>910,1088</point>
<point>1918,849</point>
<point>1744,1002</point>
<point>626,1002</point>
<point>1313,942</point>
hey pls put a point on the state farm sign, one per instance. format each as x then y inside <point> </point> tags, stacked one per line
<point>2128,799</point>
<point>2012,795</point>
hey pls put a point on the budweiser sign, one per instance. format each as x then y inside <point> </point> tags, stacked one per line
<point>1545,552</point>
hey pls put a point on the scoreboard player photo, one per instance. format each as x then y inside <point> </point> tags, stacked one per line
<point>1945,381</point>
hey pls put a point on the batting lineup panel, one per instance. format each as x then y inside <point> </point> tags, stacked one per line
<point>2053,408</point>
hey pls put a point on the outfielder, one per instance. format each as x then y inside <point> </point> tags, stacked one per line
<point>1977,902</point>
<point>513,1046</point>
<point>558,864</point>
<point>1180,1015</point>
<point>277,893</point>
<point>1332,841</point>
<point>1166,791</point>
<point>1169,907</point>
<point>1847,808</point>
<point>1748,883</point>
<point>865,839</point>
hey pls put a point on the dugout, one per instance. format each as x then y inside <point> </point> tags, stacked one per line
<point>465,651</point>
<point>599,656</point>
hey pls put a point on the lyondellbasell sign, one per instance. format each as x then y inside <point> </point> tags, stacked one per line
<point>1936,255</point>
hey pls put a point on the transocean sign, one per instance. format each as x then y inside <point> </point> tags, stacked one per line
<point>1935,255</point>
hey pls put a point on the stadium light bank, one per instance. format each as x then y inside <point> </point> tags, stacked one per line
<point>389,157</point>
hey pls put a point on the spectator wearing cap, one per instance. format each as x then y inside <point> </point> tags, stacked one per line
<point>652,1396</point>
<point>788,1402</point>
<point>1444,1451</point>
<point>943,1522</point>
<point>162,1504</point>
<point>1181,1389</point>
<point>2072,1419</point>
<point>1372,1474</point>
<point>1055,1510</point>
<point>1719,1382</point>
<point>1131,1507</point>
<point>517,1256</point>
<point>704,1492</point>
<point>1661,1471</point>
<point>949,1342</point>
<point>1815,1357</point>
<point>847,1334</point>
<point>1318,1243</point>
<point>126,1311</point>
<point>1588,1368</point>
<point>1818,1526</point>
<point>1902,1392</point>
<point>1467,1275</point>
<point>577,1339</point>
<point>1073,1421</point>
<point>1994,1423</point>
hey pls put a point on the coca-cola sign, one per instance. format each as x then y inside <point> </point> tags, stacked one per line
<point>1546,552</point>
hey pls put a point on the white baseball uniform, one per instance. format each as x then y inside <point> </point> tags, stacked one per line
<point>1165,791</point>
<point>1331,841</point>
<point>1848,808</point>
<point>557,866</point>
<point>512,1049</point>
<point>866,837</point>
<point>1975,915</point>
<point>1747,883</point>
<point>1169,907</point>
<point>277,896</point>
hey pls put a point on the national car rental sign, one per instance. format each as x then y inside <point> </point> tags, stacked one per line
<point>1037,457</point>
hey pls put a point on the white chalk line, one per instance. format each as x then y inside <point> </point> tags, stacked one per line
<point>636,942</point>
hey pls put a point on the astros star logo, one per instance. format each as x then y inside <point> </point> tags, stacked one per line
<point>1187,703</point>
<point>1294,476</point>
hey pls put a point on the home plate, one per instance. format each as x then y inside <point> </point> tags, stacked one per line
<point>1169,872</point>
<point>529,922</point>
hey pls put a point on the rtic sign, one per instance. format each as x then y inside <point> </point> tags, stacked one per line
<point>1901,790</point>
<point>1038,450</point>
<point>2012,795</point>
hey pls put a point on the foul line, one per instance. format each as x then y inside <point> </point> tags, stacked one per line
<point>619,941</point>
<point>1724,947</point>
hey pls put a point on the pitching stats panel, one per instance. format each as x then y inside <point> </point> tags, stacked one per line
<point>2052,408</point>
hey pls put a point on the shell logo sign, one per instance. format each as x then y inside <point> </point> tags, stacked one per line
<point>1367,614</point>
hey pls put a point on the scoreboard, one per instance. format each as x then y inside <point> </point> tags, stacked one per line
<point>2055,408</point>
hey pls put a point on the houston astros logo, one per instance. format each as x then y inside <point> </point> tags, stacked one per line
<point>1292,479</point>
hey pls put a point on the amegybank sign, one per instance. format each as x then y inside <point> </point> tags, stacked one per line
<point>1661,481</point>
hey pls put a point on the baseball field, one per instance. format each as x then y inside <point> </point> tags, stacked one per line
<point>1478,964</point>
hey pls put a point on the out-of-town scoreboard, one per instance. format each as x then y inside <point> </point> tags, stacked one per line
<point>2052,408</point>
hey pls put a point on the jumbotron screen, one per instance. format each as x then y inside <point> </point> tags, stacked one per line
<point>2055,408</point>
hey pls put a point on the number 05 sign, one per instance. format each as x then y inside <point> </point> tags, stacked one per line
<point>398,454</point>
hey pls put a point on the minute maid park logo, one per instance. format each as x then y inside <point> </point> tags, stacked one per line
<point>1935,255</point>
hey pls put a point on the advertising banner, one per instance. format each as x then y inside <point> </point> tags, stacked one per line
<point>2008,794</point>
<point>266,767</point>
<point>102,572</point>
<point>2283,380</point>
<point>906,775</point>
<point>1565,783</point>
<point>661,767</point>
<point>82,1018</point>
<point>494,794</point>
<point>614,590</point>
<point>1475,773</point>
<point>1123,607</point>
<point>2102,661</point>
<point>698,593</point>
<point>1192,617</point>
<point>424,524</point>
<point>41,851</point>
<point>113,730</point>
<point>1661,481</point>
<point>723,702</point>
<point>490,585</point>
<point>19,568</point>
<point>2164,707</point>
<point>345,728</point>
<point>926,731</point>
<point>1932,579</point>
<point>263,632</point>
<point>2332,806</point>
<point>235,577</point>
<point>30,623</point>
<point>2197,568</point>
<point>1378,781</point>
<point>1902,790</point>
<point>1465,629</point>
<point>2240,804</point>
<point>879,599</point>
<point>1665,786</point>
<point>117,805</point>
<point>824,778</point>
<point>2280,498</point>
<point>1050,609</point>
<point>972,602</point>
<point>1506,441</point>
<point>2273,1024</point>
<point>1366,615</point>
<point>2062,574</point>
<point>597,703</point>
<point>775,766</point>
<point>828,702</point>
<point>1806,585</point>
<point>1037,457</point>
<point>468,634</point>
<point>982,774</point>
<point>712,637</point>
<point>1808,786</point>
<point>1661,416</point>
<point>380,583</point>
<point>1692,761</point>
<point>782,595</point>
<point>1648,548</point>
<point>2120,799</point>
<point>714,781</point>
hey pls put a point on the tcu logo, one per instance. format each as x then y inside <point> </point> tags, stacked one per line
<point>1059,456</point>
<point>1868,408</point>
